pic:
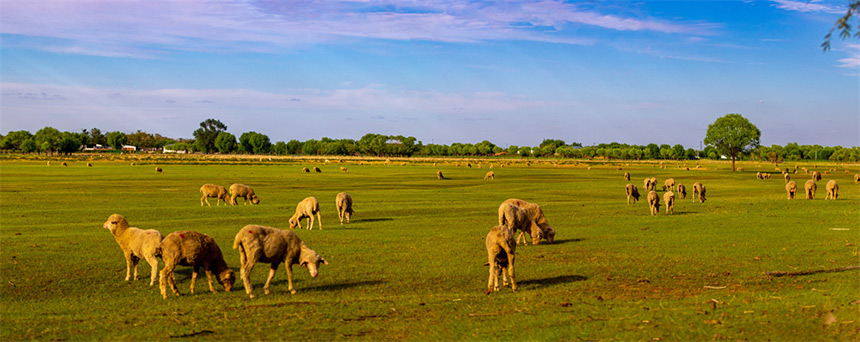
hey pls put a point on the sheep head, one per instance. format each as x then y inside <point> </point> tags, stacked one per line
<point>255,199</point>
<point>294,222</point>
<point>536,232</point>
<point>549,234</point>
<point>227,278</point>
<point>311,260</point>
<point>115,222</point>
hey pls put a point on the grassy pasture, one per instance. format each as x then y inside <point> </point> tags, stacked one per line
<point>409,266</point>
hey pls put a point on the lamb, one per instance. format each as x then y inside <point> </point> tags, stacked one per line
<point>157,169</point>
<point>273,246</point>
<point>343,202</point>
<point>439,175</point>
<point>832,190</point>
<point>810,189</point>
<point>632,192</point>
<point>791,189</point>
<point>135,244</point>
<point>536,215</point>
<point>627,176</point>
<point>669,184</point>
<point>501,249</point>
<point>698,192</point>
<point>316,169</point>
<point>344,170</point>
<point>669,200</point>
<point>306,209</point>
<point>653,202</point>
<point>816,176</point>
<point>304,169</point>
<point>490,175</point>
<point>198,250</point>
<point>241,190</point>
<point>213,191</point>
<point>682,191</point>
<point>518,218</point>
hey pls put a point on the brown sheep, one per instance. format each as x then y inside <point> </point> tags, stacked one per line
<point>698,192</point>
<point>654,202</point>
<point>306,209</point>
<point>343,203</point>
<point>198,250</point>
<point>536,215</point>
<point>627,176</point>
<point>344,170</point>
<point>766,175</point>
<point>816,176</point>
<point>669,200</point>
<point>501,249</point>
<point>213,191</point>
<point>64,164</point>
<point>669,184</point>
<point>157,169</point>
<point>241,190</point>
<point>832,190</point>
<point>490,175</point>
<point>786,176</point>
<point>136,244</point>
<point>273,246</point>
<point>89,165</point>
<point>791,189</point>
<point>519,218</point>
<point>316,169</point>
<point>439,175</point>
<point>682,191</point>
<point>810,188</point>
<point>304,169</point>
<point>632,192</point>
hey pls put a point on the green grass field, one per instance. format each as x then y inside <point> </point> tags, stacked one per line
<point>410,265</point>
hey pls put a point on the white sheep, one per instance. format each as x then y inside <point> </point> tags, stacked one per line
<point>810,188</point>
<point>490,175</point>
<point>501,249</point>
<point>136,244</point>
<point>518,218</point>
<point>198,250</point>
<point>213,191</point>
<point>343,202</point>
<point>241,190</point>
<point>653,202</point>
<point>632,192</point>
<point>682,191</point>
<point>536,215</point>
<point>669,201</point>
<point>698,192</point>
<point>832,190</point>
<point>273,246</point>
<point>856,178</point>
<point>306,209</point>
<point>791,189</point>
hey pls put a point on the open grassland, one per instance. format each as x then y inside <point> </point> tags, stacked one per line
<point>410,265</point>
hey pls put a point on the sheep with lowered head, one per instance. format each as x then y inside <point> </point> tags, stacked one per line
<point>306,209</point>
<point>632,192</point>
<point>653,202</point>
<point>669,184</point>
<point>856,178</point>
<point>627,176</point>
<point>157,170</point>
<point>316,169</point>
<point>273,246</point>
<point>682,191</point>
<point>136,244</point>
<point>810,188</point>
<point>439,175</point>
<point>213,191</point>
<point>536,215</point>
<point>816,176</point>
<point>304,169</point>
<point>669,201</point>
<point>786,176</point>
<point>198,250</point>
<point>501,249</point>
<point>791,189</point>
<point>241,190</point>
<point>343,202</point>
<point>698,192</point>
<point>832,190</point>
<point>490,175</point>
<point>519,218</point>
<point>646,184</point>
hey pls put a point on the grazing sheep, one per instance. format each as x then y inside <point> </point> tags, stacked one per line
<point>89,165</point>
<point>490,175</point>
<point>832,190</point>
<point>439,175</point>
<point>136,244</point>
<point>766,175</point>
<point>646,184</point>
<point>786,176</point>
<point>669,200</point>
<point>316,169</point>
<point>758,175</point>
<point>304,169</point>
<point>653,183</point>
<point>632,192</point>
<point>791,189</point>
<point>682,191</point>
<point>501,249</point>
<point>198,250</point>
<point>157,170</point>
<point>306,209</point>
<point>241,190</point>
<point>698,192</point>
<point>740,169</point>
<point>344,170</point>
<point>519,218</point>
<point>64,164</point>
<point>469,165</point>
<point>273,246</point>
<point>213,191</point>
<point>654,202</point>
<point>627,176</point>
<point>816,176</point>
<point>856,178</point>
<point>343,203</point>
<point>669,184</point>
<point>810,188</point>
<point>536,215</point>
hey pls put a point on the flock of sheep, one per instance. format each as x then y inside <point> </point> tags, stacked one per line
<point>650,185</point>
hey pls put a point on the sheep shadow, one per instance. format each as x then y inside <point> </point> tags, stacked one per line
<point>552,281</point>
<point>374,219</point>
<point>344,286</point>
<point>561,242</point>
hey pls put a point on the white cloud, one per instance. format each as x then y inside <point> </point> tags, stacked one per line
<point>810,6</point>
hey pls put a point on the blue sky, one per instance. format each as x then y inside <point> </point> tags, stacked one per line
<point>513,73</point>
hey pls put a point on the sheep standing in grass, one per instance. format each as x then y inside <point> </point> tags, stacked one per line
<point>856,178</point>
<point>490,175</point>
<point>64,164</point>
<point>627,176</point>
<point>536,215</point>
<point>682,191</point>
<point>669,200</point>
<point>198,250</point>
<point>501,249</point>
<point>646,184</point>
<point>816,176</point>
<point>786,176</point>
<point>344,170</point>
<point>791,189</point>
<point>306,209</point>
<point>89,165</point>
<point>519,218</point>
<point>273,246</point>
<point>669,184</point>
<point>243,191</point>
<point>698,192</point>
<point>653,183</point>
<point>810,188</point>
<point>832,190</point>
<point>632,192</point>
<point>653,202</point>
<point>136,244</point>
<point>213,191</point>
<point>439,175</point>
<point>343,202</point>
<point>316,169</point>
<point>157,169</point>
<point>304,169</point>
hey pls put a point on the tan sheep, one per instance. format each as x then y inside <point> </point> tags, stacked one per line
<point>669,201</point>
<point>653,183</point>
<point>439,175</point>
<point>306,209</point>
<point>669,184</point>
<point>632,192</point>
<point>136,244</point>
<point>791,189</point>
<point>646,184</point>
<point>698,192</point>
<point>198,250</point>
<point>518,218</point>
<point>344,170</point>
<point>682,191</point>
<point>653,202</point>
<point>832,190</point>
<point>273,246</point>
<point>343,202</point>
<point>158,170</point>
<point>490,175</point>
<point>810,188</point>
<point>758,175</point>
<point>241,190</point>
<point>786,176</point>
<point>816,176</point>
<point>856,178</point>
<point>501,249</point>
<point>766,175</point>
<point>627,176</point>
<point>536,215</point>
<point>316,169</point>
<point>213,191</point>
<point>304,169</point>
<point>89,165</point>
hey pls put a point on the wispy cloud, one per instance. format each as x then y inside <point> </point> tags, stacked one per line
<point>808,6</point>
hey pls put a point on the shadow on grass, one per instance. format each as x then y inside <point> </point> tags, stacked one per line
<point>344,286</point>
<point>553,280</point>
<point>373,219</point>
<point>561,242</point>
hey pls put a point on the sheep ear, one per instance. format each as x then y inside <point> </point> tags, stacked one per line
<point>324,261</point>
<point>303,263</point>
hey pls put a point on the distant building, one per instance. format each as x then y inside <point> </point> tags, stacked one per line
<point>96,148</point>
<point>129,148</point>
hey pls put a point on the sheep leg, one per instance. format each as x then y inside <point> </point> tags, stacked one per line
<point>167,278</point>
<point>310,221</point>
<point>272,271</point>
<point>153,262</point>
<point>128,265</point>
<point>492,281</point>
<point>209,278</point>
<point>340,215</point>
<point>511,267</point>
<point>290,279</point>
<point>319,220</point>
<point>247,266</point>
<point>134,261</point>
<point>194,277</point>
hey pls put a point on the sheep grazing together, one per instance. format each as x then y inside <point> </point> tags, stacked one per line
<point>490,175</point>
<point>439,175</point>
<point>243,191</point>
<point>501,249</point>
<point>273,246</point>
<point>669,201</point>
<point>682,191</point>
<point>816,176</point>
<point>213,191</point>
<point>698,192</point>
<point>136,244</point>
<point>810,188</point>
<point>653,202</point>
<point>832,190</point>
<point>304,169</point>
<point>536,215</point>
<point>791,189</point>
<point>198,250</point>
<point>627,176</point>
<point>343,203</point>
<point>518,218</point>
<point>632,192</point>
<point>157,169</point>
<point>306,209</point>
<point>669,184</point>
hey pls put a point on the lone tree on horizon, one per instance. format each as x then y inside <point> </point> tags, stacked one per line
<point>732,135</point>
<point>207,133</point>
